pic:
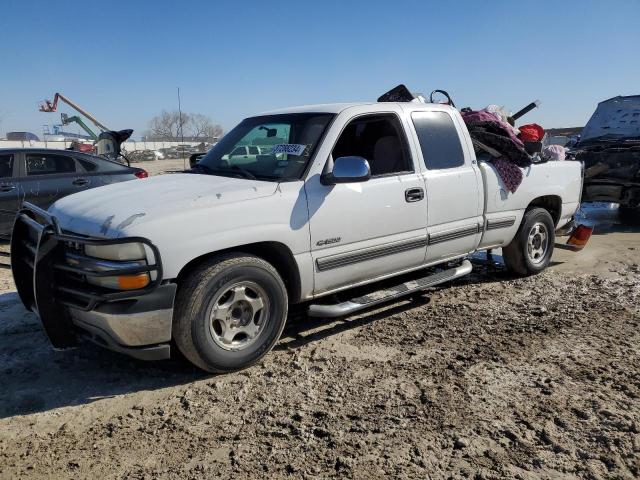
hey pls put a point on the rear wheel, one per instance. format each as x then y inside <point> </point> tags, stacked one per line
<point>230,312</point>
<point>531,249</point>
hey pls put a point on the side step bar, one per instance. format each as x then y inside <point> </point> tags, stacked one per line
<point>381,296</point>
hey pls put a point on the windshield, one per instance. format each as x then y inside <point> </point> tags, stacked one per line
<point>273,147</point>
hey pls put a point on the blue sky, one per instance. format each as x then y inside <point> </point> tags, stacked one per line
<point>123,60</point>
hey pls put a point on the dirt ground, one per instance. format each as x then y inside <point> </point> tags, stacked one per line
<point>163,166</point>
<point>492,377</point>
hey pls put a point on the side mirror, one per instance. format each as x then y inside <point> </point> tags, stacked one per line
<point>195,158</point>
<point>347,170</point>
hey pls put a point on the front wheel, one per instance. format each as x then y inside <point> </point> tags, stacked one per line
<point>230,312</point>
<point>530,250</point>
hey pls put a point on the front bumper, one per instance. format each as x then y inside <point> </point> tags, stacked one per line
<point>134,322</point>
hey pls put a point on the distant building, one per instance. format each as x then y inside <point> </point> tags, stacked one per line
<point>56,134</point>
<point>22,136</point>
<point>61,136</point>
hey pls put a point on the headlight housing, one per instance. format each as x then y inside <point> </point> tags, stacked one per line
<point>117,256</point>
<point>117,251</point>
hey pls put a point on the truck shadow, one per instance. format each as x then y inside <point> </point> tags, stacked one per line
<point>302,330</point>
<point>36,378</point>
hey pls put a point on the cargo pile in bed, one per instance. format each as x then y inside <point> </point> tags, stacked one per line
<point>495,137</point>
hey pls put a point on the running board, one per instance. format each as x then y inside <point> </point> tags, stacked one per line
<point>381,296</point>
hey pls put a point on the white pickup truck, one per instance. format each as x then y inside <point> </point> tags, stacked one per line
<point>214,258</point>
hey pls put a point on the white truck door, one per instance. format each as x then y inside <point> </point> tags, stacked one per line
<point>453,184</point>
<point>365,230</point>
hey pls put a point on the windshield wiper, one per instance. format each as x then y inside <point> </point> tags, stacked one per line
<point>246,173</point>
<point>200,166</point>
<point>233,170</point>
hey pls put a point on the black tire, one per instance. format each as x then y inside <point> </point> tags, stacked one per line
<point>629,215</point>
<point>200,295</point>
<point>517,256</point>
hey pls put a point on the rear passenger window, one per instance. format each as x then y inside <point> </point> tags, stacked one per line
<point>88,166</point>
<point>254,151</point>
<point>47,164</point>
<point>439,140</point>
<point>380,140</point>
<point>6,166</point>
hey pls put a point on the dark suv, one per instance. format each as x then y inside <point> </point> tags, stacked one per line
<point>42,176</point>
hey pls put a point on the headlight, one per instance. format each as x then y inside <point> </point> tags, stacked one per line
<point>117,251</point>
<point>114,256</point>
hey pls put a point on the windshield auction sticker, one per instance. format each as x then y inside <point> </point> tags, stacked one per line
<point>290,148</point>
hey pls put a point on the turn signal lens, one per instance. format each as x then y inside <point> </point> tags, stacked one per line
<point>580,237</point>
<point>133,282</point>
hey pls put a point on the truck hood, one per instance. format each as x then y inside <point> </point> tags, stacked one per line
<point>616,117</point>
<point>110,210</point>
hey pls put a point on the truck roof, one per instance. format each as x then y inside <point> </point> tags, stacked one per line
<point>339,107</point>
<point>319,108</point>
<point>35,150</point>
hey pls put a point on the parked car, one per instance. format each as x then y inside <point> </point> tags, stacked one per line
<point>22,136</point>
<point>185,150</point>
<point>42,176</point>
<point>142,156</point>
<point>214,259</point>
<point>243,154</point>
<point>169,152</point>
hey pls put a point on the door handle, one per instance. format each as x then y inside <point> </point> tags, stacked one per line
<point>80,181</point>
<point>414,194</point>
<point>7,188</point>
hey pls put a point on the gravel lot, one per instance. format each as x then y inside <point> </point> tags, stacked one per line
<point>492,377</point>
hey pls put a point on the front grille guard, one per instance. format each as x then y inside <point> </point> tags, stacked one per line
<point>46,283</point>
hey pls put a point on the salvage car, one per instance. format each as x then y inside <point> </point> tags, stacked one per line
<point>214,259</point>
<point>141,156</point>
<point>42,176</point>
<point>610,149</point>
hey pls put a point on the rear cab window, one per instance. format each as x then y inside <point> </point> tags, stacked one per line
<point>439,140</point>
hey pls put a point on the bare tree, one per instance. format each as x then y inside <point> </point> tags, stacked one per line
<point>169,125</point>
<point>201,127</point>
<point>166,126</point>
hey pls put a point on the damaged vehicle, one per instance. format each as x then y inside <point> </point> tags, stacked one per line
<point>609,147</point>
<point>212,261</point>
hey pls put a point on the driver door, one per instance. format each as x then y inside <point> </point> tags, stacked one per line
<point>366,230</point>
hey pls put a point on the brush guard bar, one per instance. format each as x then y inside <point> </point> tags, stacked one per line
<point>49,286</point>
